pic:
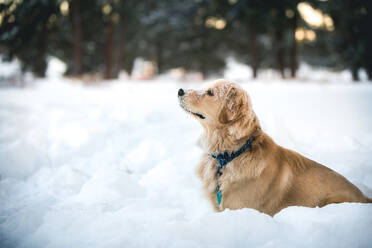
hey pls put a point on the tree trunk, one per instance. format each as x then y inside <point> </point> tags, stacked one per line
<point>293,56</point>
<point>159,57</point>
<point>109,31</point>
<point>77,37</point>
<point>254,50</point>
<point>279,41</point>
<point>121,46</point>
<point>368,54</point>
<point>355,74</point>
<point>203,71</point>
<point>129,65</point>
<point>279,50</point>
<point>203,68</point>
<point>41,62</point>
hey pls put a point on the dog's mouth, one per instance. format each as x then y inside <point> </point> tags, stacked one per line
<point>193,113</point>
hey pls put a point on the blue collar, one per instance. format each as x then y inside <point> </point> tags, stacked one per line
<point>224,158</point>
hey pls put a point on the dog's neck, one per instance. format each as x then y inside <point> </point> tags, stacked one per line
<point>229,138</point>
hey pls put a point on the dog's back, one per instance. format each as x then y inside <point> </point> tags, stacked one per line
<point>270,178</point>
<point>317,185</point>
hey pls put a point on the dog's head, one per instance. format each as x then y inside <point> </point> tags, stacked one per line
<point>221,104</point>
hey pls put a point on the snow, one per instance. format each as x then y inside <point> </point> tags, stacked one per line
<point>238,72</point>
<point>8,69</point>
<point>56,68</point>
<point>112,165</point>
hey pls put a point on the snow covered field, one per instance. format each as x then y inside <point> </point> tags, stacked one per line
<point>113,166</point>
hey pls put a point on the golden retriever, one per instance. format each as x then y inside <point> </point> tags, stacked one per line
<point>265,176</point>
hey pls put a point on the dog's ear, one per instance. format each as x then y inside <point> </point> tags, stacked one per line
<point>233,106</point>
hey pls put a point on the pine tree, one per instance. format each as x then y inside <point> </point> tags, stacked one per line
<point>25,30</point>
<point>351,39</point>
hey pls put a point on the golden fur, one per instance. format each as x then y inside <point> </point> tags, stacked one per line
<point>268,177</point>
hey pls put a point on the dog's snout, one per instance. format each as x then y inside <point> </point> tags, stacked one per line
<point>181,92</point>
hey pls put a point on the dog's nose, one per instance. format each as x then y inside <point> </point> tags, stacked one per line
<point>181,92</point>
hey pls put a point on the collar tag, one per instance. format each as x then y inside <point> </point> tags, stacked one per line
<point>219,196</point>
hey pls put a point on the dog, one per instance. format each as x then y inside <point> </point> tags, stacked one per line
<point>242,167</point>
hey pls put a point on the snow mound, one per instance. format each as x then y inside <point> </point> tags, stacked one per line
<point>113,166</point>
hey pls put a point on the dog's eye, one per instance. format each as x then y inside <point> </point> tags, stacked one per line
<point>210,93</point>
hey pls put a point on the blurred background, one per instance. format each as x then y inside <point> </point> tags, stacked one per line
<point>96,152</point>
<point>100,39</point>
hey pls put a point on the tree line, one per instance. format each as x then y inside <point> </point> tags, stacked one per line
<point>106,36</point>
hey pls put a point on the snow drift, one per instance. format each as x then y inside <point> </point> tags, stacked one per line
<point>113,166</point>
